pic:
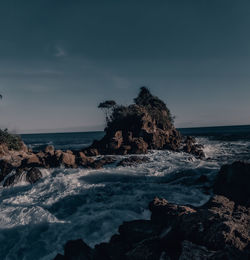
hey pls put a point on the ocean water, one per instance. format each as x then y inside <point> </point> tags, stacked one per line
<point>36,220</point>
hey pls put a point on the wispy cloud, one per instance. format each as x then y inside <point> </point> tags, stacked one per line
<point>60,52</point>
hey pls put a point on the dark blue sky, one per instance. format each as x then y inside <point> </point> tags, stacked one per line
<point>59,59</point>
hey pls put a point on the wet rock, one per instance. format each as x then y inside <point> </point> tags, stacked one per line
<point>59,257</point>
<point>6,168</point>
<point>134,129</point>
<point>50,150</point>
<point>32,161</point>
<point>68,160</point>
<point>139,146</point>
<point>233,181</point>
<point>33,175</point>
<point>166,213</point>
<point>192,251</point>
<point>77,250</point>
<point>133,160</point>
<point>99,163</point>
<point>23,174</point>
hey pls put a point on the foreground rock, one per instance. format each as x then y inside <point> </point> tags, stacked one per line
<point>218,230</point>
<point>147,124</point>
<point>23,174</point>
<point>233,181</point>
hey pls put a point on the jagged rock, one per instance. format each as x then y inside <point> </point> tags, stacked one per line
<point>77,250</point>
<point>133,160</point>
<point>6,168</point>
<point>68,160</point>
<point>30,175</point>
<point>50,150</point>
<point>32,161</point>
<point>99,163</point>
<point>166,213</point>
<point>134,129</point>
<point>33,175</point>
<point>192,251</point>
<point>233,181</point>
<point>138,146</point>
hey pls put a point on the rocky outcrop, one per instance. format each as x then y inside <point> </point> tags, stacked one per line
<point>19,166</point>
<point>218,230</point>
<point>31,175</point>
<point>147,124</point>
<point>233,181</point>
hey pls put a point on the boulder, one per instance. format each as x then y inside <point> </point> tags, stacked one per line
<point>32,161</point>
<point>233,181</point>
<point>50,149</point>
<point>68,160</point>
<point>6,168</point>
<point>33,175</point>
<point>77,250</point>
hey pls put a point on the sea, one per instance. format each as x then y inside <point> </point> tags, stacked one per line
<point>37,220</point>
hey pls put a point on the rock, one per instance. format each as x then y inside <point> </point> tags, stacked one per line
<point>139,146</point>
<point>59,257</point>
<point>148,249</point>
<point>32,161</point>
<point>50,150</point>
<point>138,230</point>
<point>217,230</point>
<point>134,129</point>
<point>99,163</point>
<point>68,160</point>
<point>133,160</point>
<point>190,146</point>
<point>6,168</point>
<point>15,178</point>
<point>165,213</point>
<point>30,175</point>
<point>83,160</point>
<point>77,250</point>
<point>33,175</point>
<point>218,224</point>
<point>192,251</point>
<point>233,181</point>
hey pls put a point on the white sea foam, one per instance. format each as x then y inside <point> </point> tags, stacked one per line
<point>36,220</point>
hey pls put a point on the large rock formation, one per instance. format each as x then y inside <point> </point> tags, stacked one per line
<point>233,181</point>
<point>220,229</point>
<point>147,124</point>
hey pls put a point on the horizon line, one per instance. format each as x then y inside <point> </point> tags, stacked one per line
<point>93,131</point>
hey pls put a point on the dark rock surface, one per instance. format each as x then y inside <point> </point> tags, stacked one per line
<point>233,181</point>
<point>33,175</point>
<point>218,230</point>
<point>30,175</point>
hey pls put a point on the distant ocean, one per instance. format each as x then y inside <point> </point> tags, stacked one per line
<point>80,140</point>
<point>36,220</point>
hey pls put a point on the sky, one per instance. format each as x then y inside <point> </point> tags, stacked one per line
<point>59,59</point>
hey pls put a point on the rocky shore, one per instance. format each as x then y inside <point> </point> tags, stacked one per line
<point>134,129</point>
<point>220,229</point>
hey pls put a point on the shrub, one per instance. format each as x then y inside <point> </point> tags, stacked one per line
<point>13,142</point>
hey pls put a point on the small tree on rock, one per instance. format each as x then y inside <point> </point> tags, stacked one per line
<point>108,107</point>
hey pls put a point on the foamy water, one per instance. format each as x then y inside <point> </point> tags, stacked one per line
<point>36,220</point>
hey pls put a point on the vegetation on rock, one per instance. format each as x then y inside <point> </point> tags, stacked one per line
<point>12,141</point>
